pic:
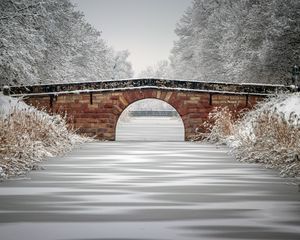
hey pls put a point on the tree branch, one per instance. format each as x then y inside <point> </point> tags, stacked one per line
<point>20,10</point>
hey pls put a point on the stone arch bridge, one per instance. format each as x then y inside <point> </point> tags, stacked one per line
<point>94,107</point>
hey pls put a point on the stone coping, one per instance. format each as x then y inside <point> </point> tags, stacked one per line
<point>125,84</point>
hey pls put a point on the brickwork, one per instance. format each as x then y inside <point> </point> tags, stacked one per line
<point>96,114</point>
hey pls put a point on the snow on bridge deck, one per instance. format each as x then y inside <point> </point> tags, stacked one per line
<point>147,83</point>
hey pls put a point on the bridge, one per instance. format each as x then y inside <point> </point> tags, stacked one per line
<point>95,107</point>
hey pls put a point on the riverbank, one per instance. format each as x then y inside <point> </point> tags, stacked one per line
<point>27,136</point>
<point>268,134</point>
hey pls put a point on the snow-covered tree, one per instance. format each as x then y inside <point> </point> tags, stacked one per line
<point>160,70</point>
<point>196,53</point>
<point>49,41</point>
<point>21,45</point>
<point>241,40</point>
<point>122,68</point>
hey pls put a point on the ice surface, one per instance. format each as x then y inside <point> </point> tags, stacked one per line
<point>149,190</point>
<point>150,129</point>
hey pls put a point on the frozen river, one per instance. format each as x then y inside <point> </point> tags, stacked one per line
<point>150,129</point>
<point>149,191</point>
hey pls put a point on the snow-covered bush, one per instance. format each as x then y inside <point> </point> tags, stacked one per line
<point>269,134</point>
<point>273,140</point>
<point>220,124</point>
<point>28,135</point>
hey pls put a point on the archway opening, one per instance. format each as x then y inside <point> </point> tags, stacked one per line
<point>150,120</point>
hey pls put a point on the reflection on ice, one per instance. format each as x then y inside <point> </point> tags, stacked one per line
<point>152,190</point>
<point>150,129</point>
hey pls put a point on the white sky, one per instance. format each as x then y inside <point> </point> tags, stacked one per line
<point>144,27</point>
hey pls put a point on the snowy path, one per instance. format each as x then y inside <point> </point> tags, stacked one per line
<point>149,191</point>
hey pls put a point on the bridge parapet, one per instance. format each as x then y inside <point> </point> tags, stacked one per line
<point>167,84</point>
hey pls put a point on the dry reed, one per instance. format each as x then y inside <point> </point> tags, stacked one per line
<point>263,135</point>
<point>27,136</point>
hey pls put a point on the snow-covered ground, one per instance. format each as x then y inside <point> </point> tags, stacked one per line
<point>149,190</point>
<point>289,104</point>
<point>7,104</point>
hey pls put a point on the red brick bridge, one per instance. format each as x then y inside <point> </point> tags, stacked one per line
<point>94,107</point>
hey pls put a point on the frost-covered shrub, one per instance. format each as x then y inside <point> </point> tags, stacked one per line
<point>27,136</point>
<point>268,134</point>
<point>220,124</point>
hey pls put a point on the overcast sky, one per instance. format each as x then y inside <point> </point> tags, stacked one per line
<point>144,27</point>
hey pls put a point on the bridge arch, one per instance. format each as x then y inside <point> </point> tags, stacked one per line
<point>179,126</point>
<point>192,108</point>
